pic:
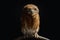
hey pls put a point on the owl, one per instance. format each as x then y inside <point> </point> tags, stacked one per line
<point>30,20</point>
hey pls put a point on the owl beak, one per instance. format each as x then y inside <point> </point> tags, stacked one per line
<point>30,11</point>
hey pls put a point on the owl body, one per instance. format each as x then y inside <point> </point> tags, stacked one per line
<point>30,20</point>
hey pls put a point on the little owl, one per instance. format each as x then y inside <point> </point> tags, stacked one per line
<point>30,20</point>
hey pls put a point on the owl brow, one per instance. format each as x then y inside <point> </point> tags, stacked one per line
<point>26,8</point>
<point>35,8</point>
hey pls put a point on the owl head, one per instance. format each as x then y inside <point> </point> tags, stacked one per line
<point>31,9</point>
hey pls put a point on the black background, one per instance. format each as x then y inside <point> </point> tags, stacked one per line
<point>48,28</point>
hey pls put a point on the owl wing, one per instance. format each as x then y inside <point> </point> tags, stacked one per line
<point>23,24</point>
<point>22,21</point>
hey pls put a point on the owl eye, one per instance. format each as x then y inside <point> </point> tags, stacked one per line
<point>25,8</point>
<point>34,8</point>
